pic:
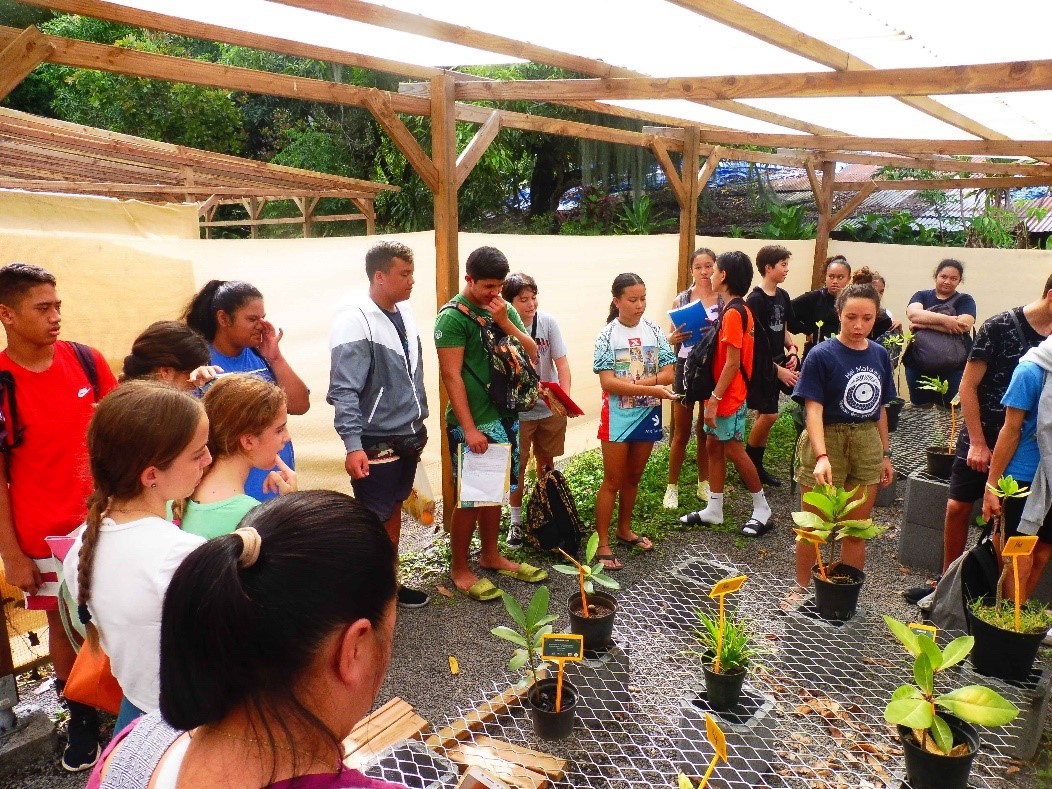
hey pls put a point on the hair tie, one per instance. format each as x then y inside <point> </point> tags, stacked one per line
<point>251,542</point>
<point>83,613</point>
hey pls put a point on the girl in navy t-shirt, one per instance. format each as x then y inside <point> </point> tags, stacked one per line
<point>843,386</point>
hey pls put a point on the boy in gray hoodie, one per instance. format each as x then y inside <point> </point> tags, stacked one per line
<point>376,383</point>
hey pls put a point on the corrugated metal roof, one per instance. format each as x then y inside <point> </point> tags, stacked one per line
<point>1038,224</point>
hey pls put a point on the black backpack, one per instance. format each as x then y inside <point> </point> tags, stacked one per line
<point>764,377</point>
<point>699,377</point>
<point>514,384</point>
<point>15,432</point>
<point>550,519</point>
<point>971,576</point>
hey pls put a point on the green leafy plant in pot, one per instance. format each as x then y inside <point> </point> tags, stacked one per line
<point>591,612</point>
<point>1006,645</point>
<point>725,656</point>
<point>896,345</point>
<point>837,585</point>
<point>940,453</point>
<point>939,747</point>
<point>533,624</point>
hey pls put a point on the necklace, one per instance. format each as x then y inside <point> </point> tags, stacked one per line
<point>289,748</point>
<point>131,510</point>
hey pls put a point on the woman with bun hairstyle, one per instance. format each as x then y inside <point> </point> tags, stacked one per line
<point>814,312</point>
<point>147,445</point>
<point>230,315</point>
<point>248,428</point>
<point>883,322</point>
<point>274,643</point>
<point>171,352</point>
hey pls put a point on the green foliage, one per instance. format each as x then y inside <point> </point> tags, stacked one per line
<point>1034,617</point>
<point>590,573</point>
<point>737,650</point>
<point>639,218</point>
<point>914,706</point>
<point>787,222</point>
<point>898,227</point>
<point>531,624</point>
<point>831,524</point>
<point>594,215</point>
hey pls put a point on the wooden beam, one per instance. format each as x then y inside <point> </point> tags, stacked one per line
<point>947,183</point>
<point>478,146</point>
<point>285,220</point>
<point>206,208</point>
<point>709,168</point>
<point>374,14</point>
<point>824,198</point>
<point>111,188</point>
<point>28,50</point>
<point>660,151</point>
<point>379,104</point>
<point>850,206</point>
<point>688,210</point>
<point>368,208</point>
<point>811,168</point>
<point>742,18</point>
<point>1027,75</point>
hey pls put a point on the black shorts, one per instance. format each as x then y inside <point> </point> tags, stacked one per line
<point>765,402</point>
<point>677,381</point>
<point>1013,512</point>
<point>966,484</point>
<point>387,486</point>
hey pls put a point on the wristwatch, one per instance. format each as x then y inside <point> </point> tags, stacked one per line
<point>887,454</point>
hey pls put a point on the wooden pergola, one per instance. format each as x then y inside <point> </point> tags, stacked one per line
<point>442,95</point>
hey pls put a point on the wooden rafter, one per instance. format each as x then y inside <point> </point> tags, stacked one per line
<point>20,56</point>
<point>850,206</point>
<point>660,151</point>
<point>1025,75</point>
<point>109,187</point>
<point>478,146</point>
<point>380,105</point>
<point>947,183</point>
<point>381,16</point>
<point>753,23</point>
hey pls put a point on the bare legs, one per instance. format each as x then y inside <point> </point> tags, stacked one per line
<point>623,465</point>
<point>684,421</point>
<point>462,528</point>
<point>955,530</point>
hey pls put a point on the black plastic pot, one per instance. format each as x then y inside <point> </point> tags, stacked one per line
<point>894,408</point>
<point>548,724</point>
<point>926,770</point>
<point>940,462</point>
<point>837,601</point>
<point>1004,654</point>
<point>723,690</point>
<point>597,630</point>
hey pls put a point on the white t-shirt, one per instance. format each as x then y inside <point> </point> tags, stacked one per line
<point>550,346</point>
<point>134,562</point>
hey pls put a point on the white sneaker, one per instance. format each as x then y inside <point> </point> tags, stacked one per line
<point>703,490</point>
<point>671,500</point>
<point>514,536</point>
<point>1047,640</point>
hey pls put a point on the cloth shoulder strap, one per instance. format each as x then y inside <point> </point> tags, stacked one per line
<point>142,749</point>
<point>1023,344</point>
<point>86,358</point>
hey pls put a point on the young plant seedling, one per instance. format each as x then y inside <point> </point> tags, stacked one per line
<point>941,387</point>
<point>728,640</point>
<point>1019,545</point>
<point>720,591</point>
<point>533,624</point>
<point>588,574</point>
<point>830,524</point>
<point>1006,488</point>
<point>914,706</point>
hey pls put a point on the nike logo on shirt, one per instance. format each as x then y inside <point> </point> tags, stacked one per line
<point>83,391</point>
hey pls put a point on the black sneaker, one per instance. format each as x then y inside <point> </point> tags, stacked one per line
<point>412,598</point>
<point>82,746</point>
<point>514,536</point>
<point>915,594</point>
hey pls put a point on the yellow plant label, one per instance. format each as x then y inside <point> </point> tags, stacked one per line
<point>716,737</point>
<point>727,586</point>
<point>562,646</point>
<point>923,630</point>
<point>454,666</point>
<point>1020,545</point>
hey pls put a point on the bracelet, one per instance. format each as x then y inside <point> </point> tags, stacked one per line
<point>887,454</point>
<point>717,399</point>
<point>819,457</point>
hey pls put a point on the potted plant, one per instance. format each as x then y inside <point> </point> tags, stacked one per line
<point>534,622</point>
<point>837,585</point>
<point>939,748</point>
<point>940,453</point>
<point>726,654</point>
<point>591,612</point>
<point>896,344</point>
<point>1001,649</point>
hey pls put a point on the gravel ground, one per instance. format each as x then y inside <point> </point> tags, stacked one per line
<point>458,627</point>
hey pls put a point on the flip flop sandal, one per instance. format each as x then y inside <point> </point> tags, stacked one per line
<point>483,591</point>
<point>756,528</point>
<point>641,544</point>
<point>695,519</point>
<point>609,557</point>
<point>526,573</point>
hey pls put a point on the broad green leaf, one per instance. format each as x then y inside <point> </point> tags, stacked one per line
<point>903,634</point>
<point>931,651</point>
<point>508,635</point>
<point>906,692</point>
<point>977,704</point>
<point>956,651</point>
<point>591,547</point>
<point>809,520</point>
<point>914,713</point>
<point>851,506</point>
<point>514,610</point>
<point>589,587</point>
<point>543,632</point>
<point>684,782</point>
<point>547,620</point>
<point>565,569</point>
<point>820,503</point>
<point>940,731</point>
<point>865,523</point>
<point>538,605</point>
<point>607,581</point>
<point>923,674</point>
<point>518,659</point>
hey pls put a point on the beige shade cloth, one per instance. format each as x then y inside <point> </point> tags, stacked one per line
<point>39,212</point>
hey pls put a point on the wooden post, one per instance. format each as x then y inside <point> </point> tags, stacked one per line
<point>7,660</point>
<point>824,200</point>
<point>688,209</point>
<point>447,255</point>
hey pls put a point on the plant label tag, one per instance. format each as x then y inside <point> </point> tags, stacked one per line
<point>923,630</point>
<point>807,536</point>
<point>716,737</point>
<point>562,646</point>
<point>1020,545</point>
<point>728,586</point>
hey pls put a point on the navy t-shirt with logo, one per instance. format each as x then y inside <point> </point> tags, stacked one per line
<point>851,385</point>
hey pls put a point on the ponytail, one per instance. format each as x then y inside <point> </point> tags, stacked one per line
<point>217,295</point>
<point>96,507</point>
<point>621,283</point>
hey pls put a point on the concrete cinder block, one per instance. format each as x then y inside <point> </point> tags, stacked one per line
<point>32,739</point>
<point>923,516</point>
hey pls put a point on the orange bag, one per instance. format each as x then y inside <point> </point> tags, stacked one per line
<point>91,682</point>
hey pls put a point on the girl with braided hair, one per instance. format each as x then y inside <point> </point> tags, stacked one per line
<point>147,446</point>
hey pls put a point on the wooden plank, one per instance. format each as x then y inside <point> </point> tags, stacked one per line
<point>462,728</point>
<point>287,220</point>
<point>552,766</point>
<point>1026,75</point>
<point>380,106</point>
<point>28,50</point>
<point>688,210</point>
<point>824,198</point>
<point>478,145</point>
<point>949,183</point>
<point>937,164</point>
<point>409,728</point>
<point>513,774</point>
<point>675,182</point>
<point>109,187</point>
<point>705,173</point>
<point>850,206</point>
<point>816,184</point>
